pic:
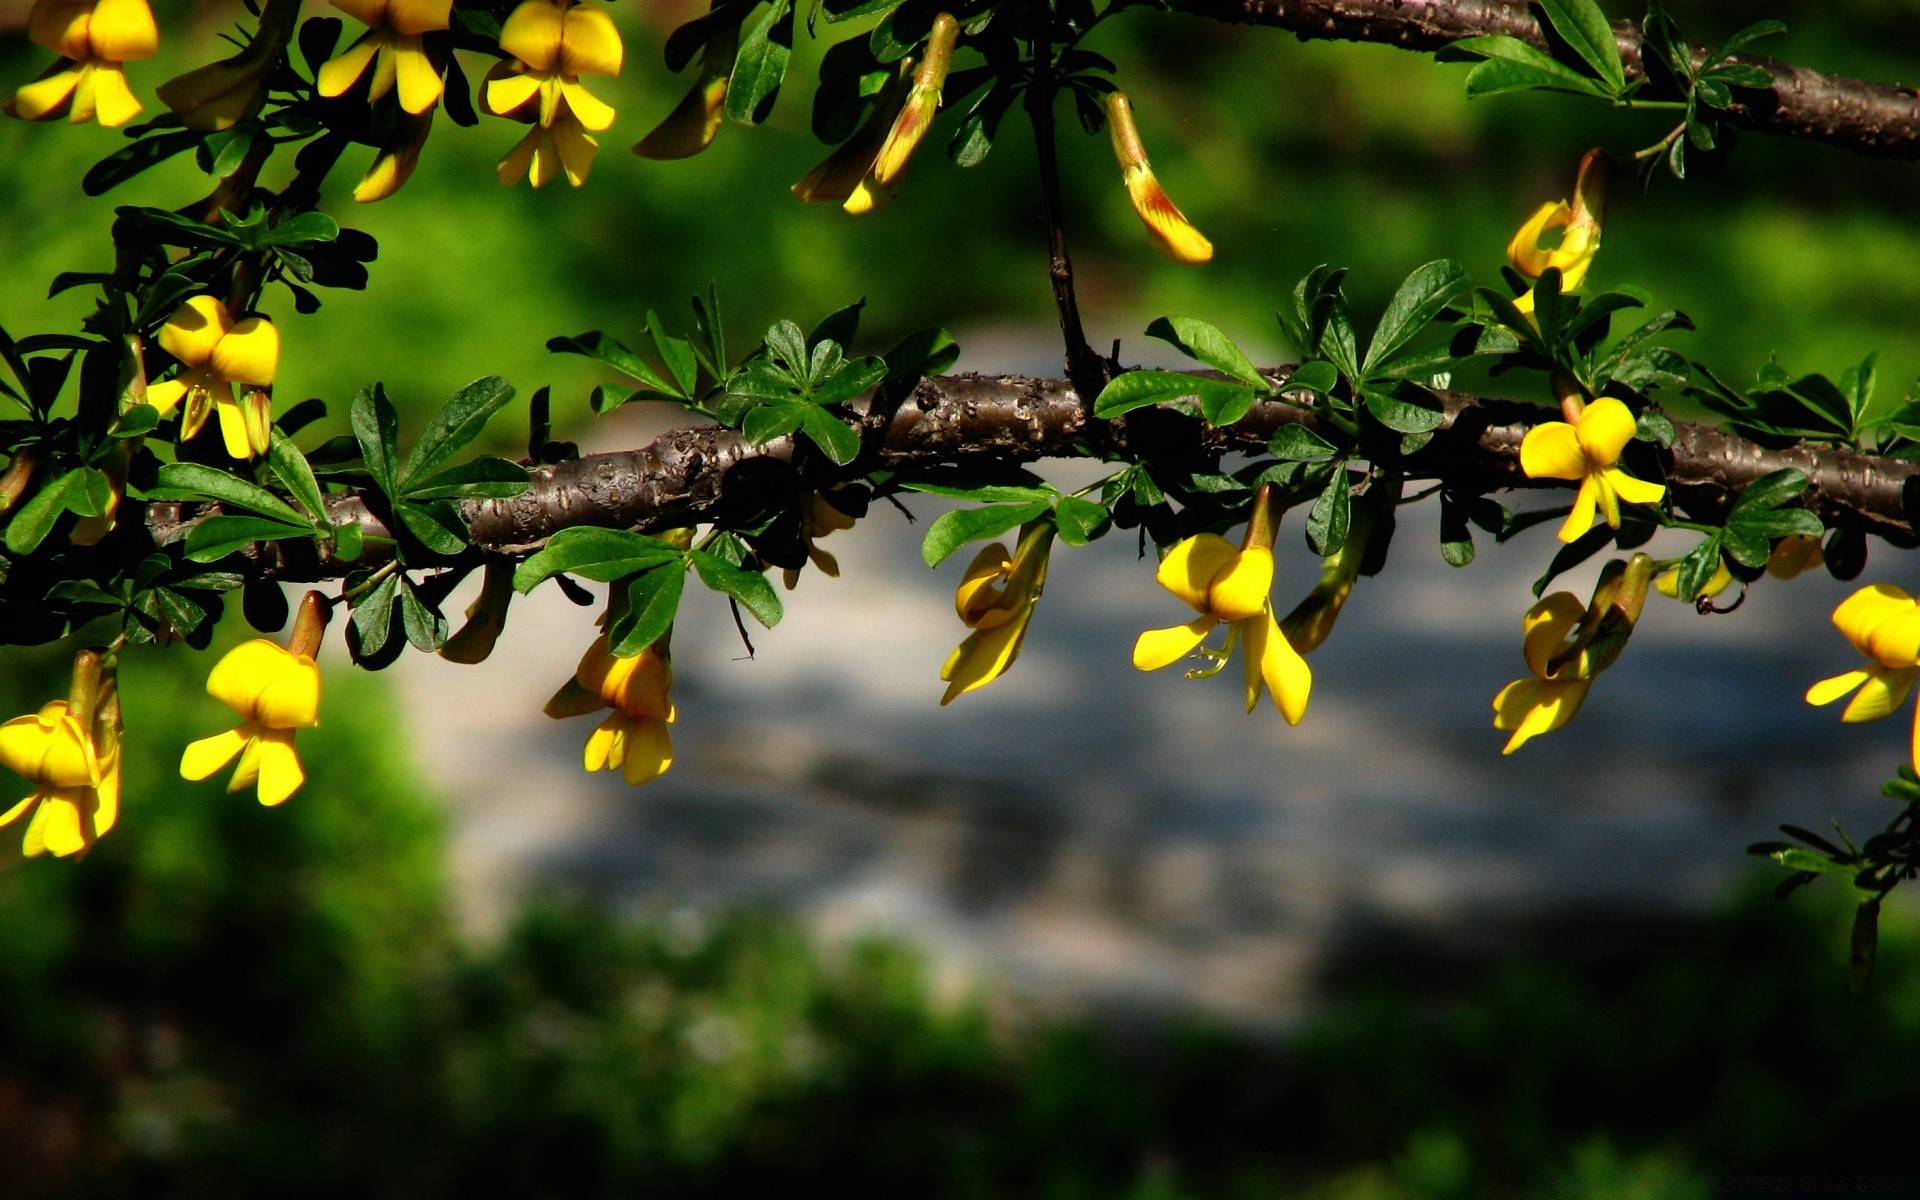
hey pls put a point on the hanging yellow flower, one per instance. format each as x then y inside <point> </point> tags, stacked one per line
<point>1581,220</point>
<point>995,599</point>
<point>1169,227</point>
<point>553,44</point>
<point>1567,644</point>
<point>818,518</point>
<point>634,738</point>
<point>70,752</point>
<point>834,178</point>
<point>276,691</point>
<point>1229,584</point>
<point>392,47</point>
<point>217,353</point>
<point>1588,451</point>
<point>1883,624</point>
<point>911,123</point>
<point>93,38</point>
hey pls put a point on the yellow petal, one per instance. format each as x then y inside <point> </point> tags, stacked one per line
<point>985,655</point>
<point>607,744</point>
<point>1600,486</point>
<point>341,72</point>
<point>84,89</point>
<point>979,589</point>
<point>411,17</point>
<point>1633,491</point>
<point>249,353</point>
<point>1545,628</point>
<point>1895,642</point>
<point>394,164</point>
<point>867,196</point>
<point>1882,692</point>
<point>1829,690</point>
<point>649,752</point>
<point>1580,517</point>
<point>516,164</point>
<point>1604,430</point>
<point>1524,250</point>
<point>209,754</point>
<point>1243,589</point>
<point>233,425</point>
<point>268,683</point>
<point>14,814</point>
<point>418,79</point>
<point>195,329</point>
<point>280,771</point>
<point>1189,569</point>
<point>45,98</point>
<point>57,824</point>
<point>506,90</point>
<point>1531,707</point>
<point>1168,226</point>
<point>61,26</point>
<point>113,101</point>
<point>48,748</point>
<point>1272,661</point>
<point>532,33</point>
<point>1861,613</point>
<point>1157,648</point>
<point>589,42</point>
<point>588,109</point>
<point>106,801</point>
<point>247,770</point>
<point>1552,450</point>
<point>123,31</point>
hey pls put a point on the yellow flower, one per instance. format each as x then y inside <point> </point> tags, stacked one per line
<point>911,123</point>
<point>93,39</point>
<point>1169,227</point>
<point>1566,644</point>
<point>818,518</point>
<point>216,352</point>
<point>392,47</point>
<point>692,124</point>
<point>220,95</point>
<point>276,691</point>
<point>834,179</point>
<point>1581,220</point>
<point>995,599</point>
<point>634,738</point>
<point>1883,623</point>
<point>1587,451</point>
<point>394,163</point>
<point>70,752</point>
<point>1224,583</point>
<point>552,46</point>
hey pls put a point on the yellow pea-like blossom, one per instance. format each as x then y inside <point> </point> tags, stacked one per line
<point>222,94</point>
<point>392,47</point>
<point>276,692</point>
<point>691,126</point>
<point>1588,450</point>
<point>818,518</point>
<point>1581,222</point>
<point>553,44</point>
<point>70,752</point>
<point>1883,624</point>
<point>633,739</point>
<point>1225,583</point>
<point>1566,644</point>
<point>218,353</point>
<point>996,599</point>
<point>911,123</point>
<point>93,39</point>
<point>1168,226</point>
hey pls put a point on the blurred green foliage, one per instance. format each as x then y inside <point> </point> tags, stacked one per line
<point>225,1000</point>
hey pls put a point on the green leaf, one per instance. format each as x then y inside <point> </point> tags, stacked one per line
<point>424,624</point>
<point>850,380</point>
<point>922,354</point>
<point>198,480</point>
<point>677,353</point>
<point>1400,415</point>
<point>840,443</point>
<point>295,474</point>
<point>760,66</point>
<point>1698,567</point>
<point>1079,520</point>
<point>788,345</point>
<point>1585,28</point>
<point>652,601</point>
<point>1513,65</point>
<point>982,493</point>
<point>1297,443</point>
<point>373,617</point>
<point>301,228</point>
<point>483,478</point>
<point>436,524</point>
<point>1316,376</point>
<point>712,334</point>
<point>137,421</point>
<point>34,520</point>
<point>1769,491</point>
<point>348,541</point>
<point>1202,342</point>
<point>377,428</point>
<point>220,535</point>
<point>610,352</point>
<point>1456,535</point>
<point>750,588</point>
<point>1416,302</point>
<point>1138,389</point>
<point>1795,859</point>
<point>1224,406</point>
<point>955,529</point>
<point>457,424</point>
<point>602,555</point>
<point>1331,517</point>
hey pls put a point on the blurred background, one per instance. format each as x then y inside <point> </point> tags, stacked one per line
<point>1087,933</point>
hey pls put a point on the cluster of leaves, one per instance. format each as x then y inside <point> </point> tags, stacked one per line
<point>1874,868</point>
<point>1780,409</point>
<point>1583,58</point>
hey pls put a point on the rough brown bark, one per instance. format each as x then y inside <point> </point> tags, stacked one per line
<point>692,475</point>
<point>1870,118</point>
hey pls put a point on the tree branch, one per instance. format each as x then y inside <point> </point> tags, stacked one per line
<point>704,473</point>
<point>1870,118</point>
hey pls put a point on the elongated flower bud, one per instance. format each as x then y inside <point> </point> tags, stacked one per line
<point>836,177</point>
<point>1171,231</point>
